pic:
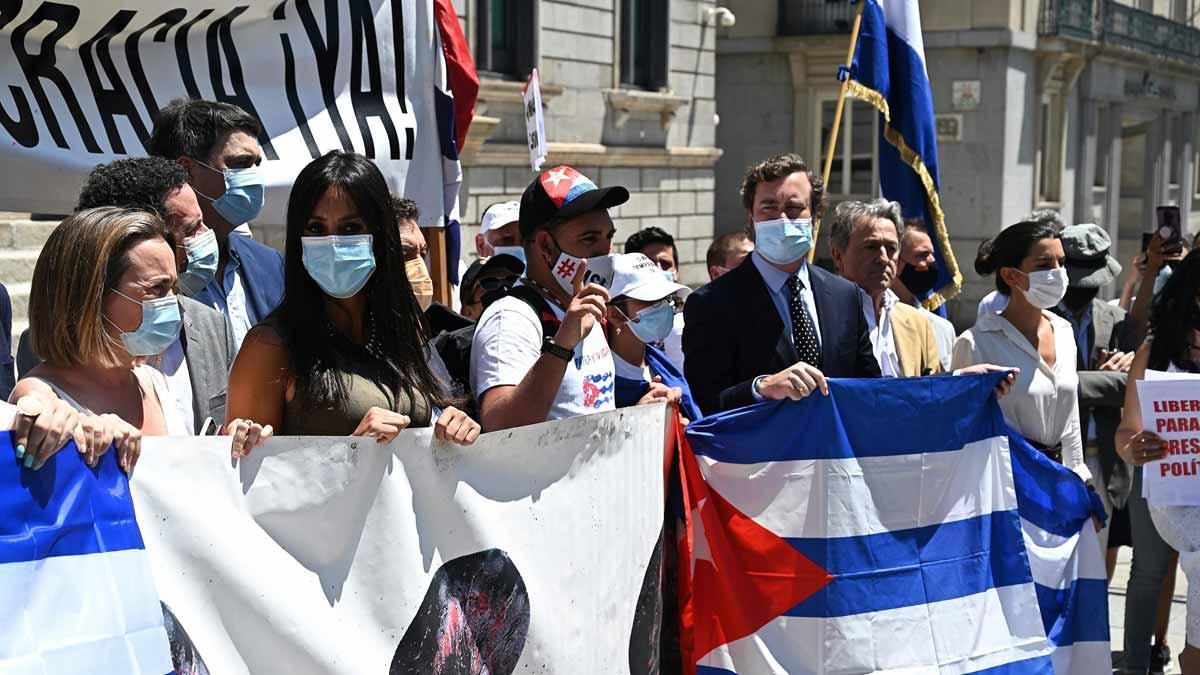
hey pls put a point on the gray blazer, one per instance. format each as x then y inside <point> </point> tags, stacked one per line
<point>1102,394</point>
<point>208,350</point>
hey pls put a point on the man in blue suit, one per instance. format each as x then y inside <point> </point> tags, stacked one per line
<point>775,327</point>
<point>217,144</point>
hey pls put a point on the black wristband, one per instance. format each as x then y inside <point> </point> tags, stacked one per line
<point>548,347</point>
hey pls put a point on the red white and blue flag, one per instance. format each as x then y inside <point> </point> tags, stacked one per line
<point>75,582</point>
<point>564,184</point>
<point>895,526</point>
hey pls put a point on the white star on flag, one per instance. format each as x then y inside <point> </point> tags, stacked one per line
<point>557,176</point>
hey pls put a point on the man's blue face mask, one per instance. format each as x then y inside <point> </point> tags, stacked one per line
<point>245,194</point>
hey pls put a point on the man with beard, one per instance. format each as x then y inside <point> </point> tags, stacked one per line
<point>915,279</point>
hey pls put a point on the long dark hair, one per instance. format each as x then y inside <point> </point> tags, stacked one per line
<point>1009,248</point>
<point>1174,315</point>
<point>396,330</point>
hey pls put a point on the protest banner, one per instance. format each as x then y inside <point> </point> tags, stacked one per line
<point>535,121</point>
<point>82,81</point>
<point>1171,408</point>
<point>947,544</point>
<point>534,550</point>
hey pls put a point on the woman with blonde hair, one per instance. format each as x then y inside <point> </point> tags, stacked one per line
<point>102,302</point>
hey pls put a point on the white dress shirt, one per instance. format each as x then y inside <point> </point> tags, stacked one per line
<point>173,365</point>
<point>992,303</point>
<point>1043,405</point>
<point>944,333</point>
<point>231,301</point>
<point>883,339</point>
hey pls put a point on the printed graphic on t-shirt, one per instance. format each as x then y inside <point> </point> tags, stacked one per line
<point>597,390</point>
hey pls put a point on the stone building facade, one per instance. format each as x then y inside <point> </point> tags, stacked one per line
<point>629,99</point>
<point>1085,106</point>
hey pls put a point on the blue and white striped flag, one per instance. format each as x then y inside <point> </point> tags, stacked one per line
<point>895,526</point>
<point>889,73</point>
<point>75,584</point>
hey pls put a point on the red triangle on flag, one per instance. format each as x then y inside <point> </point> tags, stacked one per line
<point>735,575</point>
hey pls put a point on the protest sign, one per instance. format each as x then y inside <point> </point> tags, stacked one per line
<point>1171,408</point>
<point>535,121</point>
<point>535,550</point>
<point>82,82</point>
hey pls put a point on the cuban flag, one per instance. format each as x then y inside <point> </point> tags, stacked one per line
<point>75,584</point>
<point>564,184</point>
<point>895,526</point>
<point>889,72</point>
<point>455,91</point>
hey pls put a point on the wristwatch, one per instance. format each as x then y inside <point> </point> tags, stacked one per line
<point>548,347</point>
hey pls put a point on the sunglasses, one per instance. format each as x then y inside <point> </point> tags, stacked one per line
<point>489,284</point>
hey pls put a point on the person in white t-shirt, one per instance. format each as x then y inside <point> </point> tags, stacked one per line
<point>521,373</point>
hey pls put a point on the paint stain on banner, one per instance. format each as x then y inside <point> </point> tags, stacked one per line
<point>473,621</point>
<point>645,653</point>
<point>184,656</point>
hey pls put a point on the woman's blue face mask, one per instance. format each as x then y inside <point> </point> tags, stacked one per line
<point>654,323</point>
<point>159,328</point>
<point>340,264</point>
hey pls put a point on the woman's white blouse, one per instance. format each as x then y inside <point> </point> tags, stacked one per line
<point>1043,405</point>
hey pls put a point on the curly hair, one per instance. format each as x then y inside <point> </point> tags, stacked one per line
<point>141,183</point>
<point>782,166</point>
<point>405,208</point>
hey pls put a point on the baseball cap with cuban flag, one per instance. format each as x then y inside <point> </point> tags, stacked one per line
<point>562,193</point>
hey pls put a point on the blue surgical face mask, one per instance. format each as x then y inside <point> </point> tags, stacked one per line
<point>245,194</point>
<point>159,327</point>
<point>783,240</point>
<point>653,324</point>
<point>669,275</point>
<point>515,251</point>
<point>202,257</point>
<point>341,265</point>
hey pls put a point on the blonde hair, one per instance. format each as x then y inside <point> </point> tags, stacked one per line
<point>82,259</point>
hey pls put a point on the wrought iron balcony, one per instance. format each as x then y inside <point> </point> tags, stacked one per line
<point>1150,33</point>
<point>1120,25</point>
<point>1069,18</point>
<point>815,17</point>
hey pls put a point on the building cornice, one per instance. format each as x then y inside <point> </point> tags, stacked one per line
<point>595,154</point>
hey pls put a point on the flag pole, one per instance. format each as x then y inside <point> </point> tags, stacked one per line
<point>837,115</point>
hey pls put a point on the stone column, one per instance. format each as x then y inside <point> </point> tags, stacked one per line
<point>1154,182</point>
<point>1187,172</point>
<point>1112,202</point>
<point>1085,174</point>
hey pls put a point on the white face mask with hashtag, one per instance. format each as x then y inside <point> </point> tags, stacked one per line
<point>599,271</point>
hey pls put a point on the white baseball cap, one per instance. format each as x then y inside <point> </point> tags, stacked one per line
<point>638,277</point>
<point>499,215</point>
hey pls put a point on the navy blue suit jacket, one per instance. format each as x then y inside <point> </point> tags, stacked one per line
<point>262,277</point>
<point>733,333</point>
